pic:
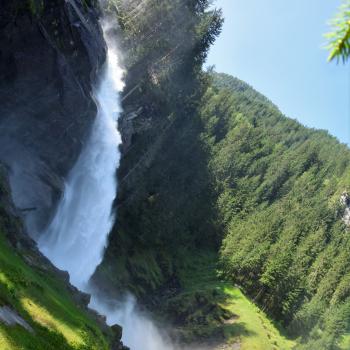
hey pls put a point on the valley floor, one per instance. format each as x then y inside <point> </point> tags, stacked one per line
<point>216,311</point>
<point>251,329</point>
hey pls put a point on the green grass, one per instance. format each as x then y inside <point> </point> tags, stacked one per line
<point>211,309</point>
<point>252,327</point>
<point>44,301</point>
<point>345,342</point>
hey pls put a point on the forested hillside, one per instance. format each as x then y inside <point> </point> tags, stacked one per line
<point>165,44</point>
<point>279,200</point>
<point>210,165</point>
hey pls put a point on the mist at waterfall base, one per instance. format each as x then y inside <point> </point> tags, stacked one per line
<point>77,236</point>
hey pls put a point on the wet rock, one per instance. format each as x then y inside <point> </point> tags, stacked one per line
<point>83,298</point>
<point>11,318</point>
<point>119,346</point>
<point>117,331</point>
<point>49,60</point>
<point>101,318</point>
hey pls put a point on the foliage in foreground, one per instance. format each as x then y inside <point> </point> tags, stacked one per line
<point>339,38</point>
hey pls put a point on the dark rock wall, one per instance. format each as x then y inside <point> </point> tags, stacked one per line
<point>50,55</point>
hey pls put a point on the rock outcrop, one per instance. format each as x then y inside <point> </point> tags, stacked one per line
<point>11,318</point>
<point>50,55</point>
<point>345,202</point>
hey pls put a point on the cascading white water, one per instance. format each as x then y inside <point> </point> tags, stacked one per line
<point>76,238</point>
<point>139,332</point>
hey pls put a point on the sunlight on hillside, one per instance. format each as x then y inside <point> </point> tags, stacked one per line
<point>42,316</point>
<point>252,327</point>
<point>4,343</point>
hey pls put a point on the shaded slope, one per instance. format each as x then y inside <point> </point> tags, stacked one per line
<point>161,142</point>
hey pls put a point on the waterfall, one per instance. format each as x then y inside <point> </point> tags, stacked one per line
<point>77,236</point>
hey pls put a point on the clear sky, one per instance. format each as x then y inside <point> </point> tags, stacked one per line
<point>276,46</point>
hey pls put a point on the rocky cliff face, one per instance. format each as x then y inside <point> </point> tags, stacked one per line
<point>345,203</point>
<point>50,55</point>
<point>51,52</point>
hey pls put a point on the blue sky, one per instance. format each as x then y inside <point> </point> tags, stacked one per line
<point>276,46</point>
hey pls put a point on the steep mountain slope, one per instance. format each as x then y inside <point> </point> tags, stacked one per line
<point>159,209</point>
<point>282,199</point>
<point>211,165</point>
